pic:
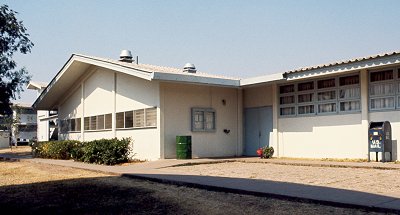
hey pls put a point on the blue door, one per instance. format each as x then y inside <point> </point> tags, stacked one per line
<point>258,125</point>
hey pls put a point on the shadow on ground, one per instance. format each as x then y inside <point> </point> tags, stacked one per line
<point>282,190</point>
<point>107,195</point>
<point>81,196</point>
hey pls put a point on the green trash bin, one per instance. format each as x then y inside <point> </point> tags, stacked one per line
<point>183,147</point>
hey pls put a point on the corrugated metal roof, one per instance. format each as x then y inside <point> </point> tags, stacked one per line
<point>342,62</point>
<point>152,68</point>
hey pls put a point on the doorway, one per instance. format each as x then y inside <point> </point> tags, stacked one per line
<point>258,126</point>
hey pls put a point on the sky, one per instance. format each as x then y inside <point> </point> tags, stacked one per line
<point>245,38</point>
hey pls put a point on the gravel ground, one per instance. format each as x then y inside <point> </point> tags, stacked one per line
<point>377,181</point>
<point>32,188</point>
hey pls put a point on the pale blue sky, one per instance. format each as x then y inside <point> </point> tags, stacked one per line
<point>233,38</point>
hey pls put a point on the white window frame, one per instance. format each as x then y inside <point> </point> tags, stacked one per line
<point>303,92</point>
<point>349,99</point>
<point>396,90</point>
<point>203,111</point>
<point>145,110</point>
<point>315,102</point>
<point>291,105</point>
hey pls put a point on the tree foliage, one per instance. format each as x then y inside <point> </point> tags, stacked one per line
<point>13,38</point>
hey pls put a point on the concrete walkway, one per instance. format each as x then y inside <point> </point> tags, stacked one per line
<point>155,171</point>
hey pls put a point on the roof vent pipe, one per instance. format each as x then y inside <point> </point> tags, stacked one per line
<point>126,56</point>
<point>189,67</point>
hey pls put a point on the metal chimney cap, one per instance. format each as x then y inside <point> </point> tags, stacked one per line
<point>125,54</point>
<point>189,66</point>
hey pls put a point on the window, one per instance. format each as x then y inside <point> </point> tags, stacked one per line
<point>93,122</point>
<point>151,117</point>
<point>100,122</point>
<point>139,118</point>
<point>350,106</point>
<point>349,93</point>
<point>381,76</point>
<point>327,96</point>
<point>286,89</point>
<point>287,100</point>
<point>129,119</point>
<point>203,119</point>
<point>307,109</point>
<point>74,124</point>
<point>108,121</point>
<point>304,98</point>
<point>306,86</point>
<point>329,83</point>
<point>87,123</point>
<point>120,120</point>
<point>78,124</point>
<point>382,90</point>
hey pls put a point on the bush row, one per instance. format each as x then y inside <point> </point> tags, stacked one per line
<point>104,151</point>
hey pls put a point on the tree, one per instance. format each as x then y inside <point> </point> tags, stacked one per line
<point>13,38</point>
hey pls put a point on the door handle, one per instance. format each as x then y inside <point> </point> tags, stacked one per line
<point>259,133</point>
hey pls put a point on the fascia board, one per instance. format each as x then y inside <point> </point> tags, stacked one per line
<point>53,81</point>
<point>195,79</point>
<point>73,58</point>
<point>262,79</point>
<point>122,69</point>
<point>367,64</point>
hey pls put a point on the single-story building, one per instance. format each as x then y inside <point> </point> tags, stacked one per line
<point>314,112</point>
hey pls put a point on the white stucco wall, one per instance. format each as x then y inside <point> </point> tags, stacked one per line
<point>132,94</point>
<point>71,107</point>
<point>98,93</point>
<point>108,92</point>
<point>259,96</point>
<point>42,126</point>
<point>331,136</point>
<point>177,101</point>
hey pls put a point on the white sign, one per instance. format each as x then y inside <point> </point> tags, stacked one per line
<point>375,144</point>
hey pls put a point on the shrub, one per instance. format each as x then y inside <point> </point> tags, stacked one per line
<point>267,152</point>
<point>104,151</point>
<point>53,149</point>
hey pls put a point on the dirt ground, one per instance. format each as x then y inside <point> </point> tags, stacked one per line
<point>357,179</point>
<point>32,188</point>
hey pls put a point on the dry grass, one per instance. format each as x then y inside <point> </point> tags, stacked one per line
<point>20,150</point>
<point>46,189</point>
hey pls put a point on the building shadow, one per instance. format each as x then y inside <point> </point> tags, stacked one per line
<point>105,195</point>
<point>281,190</point>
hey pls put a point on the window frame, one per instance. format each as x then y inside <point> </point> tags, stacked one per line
<point>395,81</point>
<point>143,119</point>
<point>349,99</point>
<point>285,94</point>
<point>315,91</point>
<point>203,111</point>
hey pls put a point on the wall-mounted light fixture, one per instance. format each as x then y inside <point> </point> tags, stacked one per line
<point>226,131</point>
<point>223,102</point>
